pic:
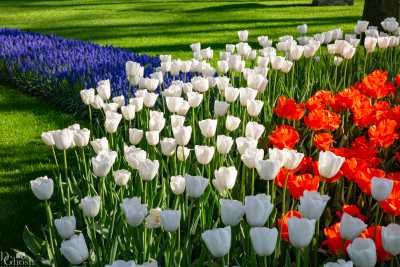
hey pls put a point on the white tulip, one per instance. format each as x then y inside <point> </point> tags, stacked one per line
<point>263,41</point>
<point>153,219</point>
<point>257,209</point>
<point>134,69</point>
<point>232,211</point>
<point>223,66</point>
<point>170,220</point>
<point>246,94</point>
<point>254,130</point>
<point>361,26</point>
<point>128,112</point>
<point>97,102</point>
<point>195,185</point>
<point>287,66</point>
<point>370,44</point>
<point>301,231</point>
<point>134,211</point>
<point>263,240</point>
<point>194,99</point>
<point>65,226</point>
<point>220,108</point>
<point>119,100</point>
<point>81,137</point>
<point>231,94</point>
<point>168,146</point>
<point>90,206</point>
<point>257,82</point>
<point>251,156</point>
<point>224,144</point>
<point>329,164</point>
<point>381,188</point>
<point>75,249</point>
<point>42,188</point>
<point>243,49</point>
<point>150,99</point>
<point>182,134</point>
<point>268,169</point>
<point>135,136</point>
<point>204,154</point>
<point>243,35</point>
<point>103,162</point>
<point>104,89</point>
<point>208,127</point>
<point>339,263</point>
<point>200,84</point>
<point>187,88</point>
<point>312,204</point>
<point>121,177</point>
<point>244,143</point>
<point>254,107</point>
<point>87,96</point>
<point>235,62</point>
<point>63,139</point>
<point>47,138</point>
<point>302,29</point>
<point>112,121</point>
<point>148,169</point>
<point>391,238</point>
<point>177,120</point>
<point>225,178</point>
<point>156,121</point>
<point>137,102</point>
<point>292,158</point>
<point>173,103</point>
<point>178,184</point>
<point>99,145</point>
<point>153,137</point>
<point>218,241</point>
<point>362,252</point>
<point>232,123</point>
<point>134,156</point>
<point>110,107</point>
<point>390,24</point>
<point>351,227</point>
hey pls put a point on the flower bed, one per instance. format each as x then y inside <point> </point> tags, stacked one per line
<point>245,166</point>
<point>59,68</point>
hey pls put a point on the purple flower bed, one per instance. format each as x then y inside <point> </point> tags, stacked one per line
<point>57,68</point>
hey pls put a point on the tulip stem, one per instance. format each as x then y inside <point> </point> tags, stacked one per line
<point>55,157</point>
<point>284,195</point>
<point>298,258</point>
<point>50,224</point>
<point>252,181</point>
<point>65,163</point>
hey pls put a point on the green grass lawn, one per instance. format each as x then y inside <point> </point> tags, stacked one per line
<point>23,157</point>
<point>146,26</point>
<point>168,26</point>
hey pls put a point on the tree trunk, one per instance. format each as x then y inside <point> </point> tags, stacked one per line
<point>376,11</point>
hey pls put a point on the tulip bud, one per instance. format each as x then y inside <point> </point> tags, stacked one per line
<point>391,238</point>
<point>42,188</point>
<point>362,252</point>
<point>268,169</point>
<point>121,177</point>
<point>263,240</point>
<point>153,219</point>
<point>225,178</point>
<point>99,145</point>
<point>103,162</point>
<point>65,226</point>
<point>218,241</point>
<point>182,153</point>
<point>63,139</point>
<point>195,185</point>
<point>170,220</point>
<point>312,204</point>
<point>381,188</point>
<point>232,123</point>
<point>224,144</point>
<point>177,184</point>
<point>87,96</point>
<point>232,211</point>
<point>204,154</point>
<point>220,108</point>
<point>301,231</point>
<point>329,164</point>
<point>351,227</point>
<point>257,209</point>
<point>208,127</point>
<point>134,211</point>
<point>148,169</point>
<point>104,89</point>
<point>134,156</point>
<point>182,134</point>
<point>90,206</point>
<point>81,137</point>
<point>135,136</point>
<point>251,156</point>
<point>75,249</point>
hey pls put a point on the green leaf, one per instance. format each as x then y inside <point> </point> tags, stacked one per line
<point>32,242</point>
